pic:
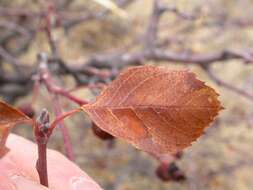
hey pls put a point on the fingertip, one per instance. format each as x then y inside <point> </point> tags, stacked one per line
<point>22,183</point>
<point>62,173</point>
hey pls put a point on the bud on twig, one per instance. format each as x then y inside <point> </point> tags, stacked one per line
<point>42,134</point>
<point>43,121</point>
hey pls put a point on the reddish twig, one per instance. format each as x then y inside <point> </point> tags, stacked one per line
<point>89,86</point>
<point>51,21</point>
<point>46,79</point>
<point>42,164</point>
<point>61,117</point>
<point>57,90</point>
<point>42,132</point>
<point>64,130</point>
<point>42,135</point>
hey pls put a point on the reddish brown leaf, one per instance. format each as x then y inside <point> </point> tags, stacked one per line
<point>9,117</point>
<point>158,110</point>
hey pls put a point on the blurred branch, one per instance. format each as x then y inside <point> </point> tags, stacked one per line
<point>103,67</point>
<point>228,86</point>
<point>152,28</point>
<point>203,58</point>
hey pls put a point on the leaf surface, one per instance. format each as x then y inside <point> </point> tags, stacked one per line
<point>9,117</point>
<point>157,110</point>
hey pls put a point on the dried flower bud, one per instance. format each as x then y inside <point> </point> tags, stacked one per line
<point>43,121</point>
<point>170,172</point>
<point>100,133</point>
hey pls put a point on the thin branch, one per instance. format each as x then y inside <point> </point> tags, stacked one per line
<point>152,28</point>
<point>46,79</point>
<point>42,135</point>
<point>10,59</point>
<point>61,117</point>
<point>64,130</point>
<point>228,86</point>
<point>202,58</point>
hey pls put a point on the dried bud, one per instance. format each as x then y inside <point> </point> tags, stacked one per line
<point>43,121</point>
<point>175,172</point>
<point>100,133</point>
<point>170,172</point>
<point>178,155</point>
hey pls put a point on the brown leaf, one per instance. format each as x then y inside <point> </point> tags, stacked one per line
<point>158,110</point>
<point>9,117</point>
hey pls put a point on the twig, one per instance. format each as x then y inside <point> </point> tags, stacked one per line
<point>202,59</point>
<point>228,86</point>
<point>10,59</point>
<point>64,130</point>
<point>46,79</point>
<point>42,135</point>
<point>151,31</point>
<point>42,132</point>
<point>61,117</point>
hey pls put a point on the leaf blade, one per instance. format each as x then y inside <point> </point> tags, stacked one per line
<point>9,117</point>
<point>157,110</point>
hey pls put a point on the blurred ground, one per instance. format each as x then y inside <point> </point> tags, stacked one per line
<point>220,160</point>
